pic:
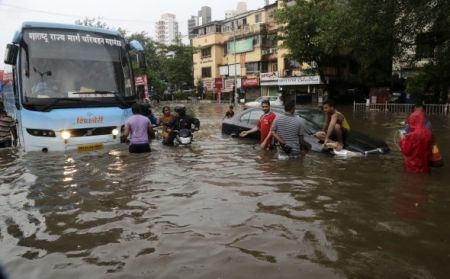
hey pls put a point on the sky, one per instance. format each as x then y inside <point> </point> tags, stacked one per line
<point>131,15</point>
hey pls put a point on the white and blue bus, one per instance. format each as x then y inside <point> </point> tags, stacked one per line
<point>72,86</point>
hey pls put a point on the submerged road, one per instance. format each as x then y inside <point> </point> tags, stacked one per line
<point>222,208</point>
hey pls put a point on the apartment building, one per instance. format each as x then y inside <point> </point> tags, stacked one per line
<point>167,29</point>
<point>243,50</point>
<point>203,17</point>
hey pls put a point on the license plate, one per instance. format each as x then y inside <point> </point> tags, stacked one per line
<point>90,147</point>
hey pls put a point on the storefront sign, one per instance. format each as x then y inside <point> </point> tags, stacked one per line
<point>7,77</point>
<point>218,83</point>
<point>270,76</point>
<point>209,84</point>
<point>251,82</point>
<point>142,81</point>
<point>223,70</point>
<point>305,80</point>
<point>229,83</point>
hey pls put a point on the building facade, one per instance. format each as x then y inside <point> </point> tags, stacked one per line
<point>242,51</point>
<point>167,29</point>
<point>203,17</point>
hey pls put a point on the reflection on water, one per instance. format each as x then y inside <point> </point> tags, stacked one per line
<point>222,208</point>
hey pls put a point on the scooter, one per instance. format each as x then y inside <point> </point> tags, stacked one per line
<point>183,137</point>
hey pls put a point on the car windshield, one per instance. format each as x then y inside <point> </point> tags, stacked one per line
<point>314,119</point>
<point>61,64</point>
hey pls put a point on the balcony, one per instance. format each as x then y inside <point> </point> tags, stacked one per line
<point>269,53</point>
<point>246,30</point>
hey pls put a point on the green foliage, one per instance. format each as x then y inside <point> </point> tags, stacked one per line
<point>167,66</point>
<point>362,39</point>
<point>180,95</point>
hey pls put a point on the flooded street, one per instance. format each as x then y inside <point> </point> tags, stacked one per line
<point>222,208</point>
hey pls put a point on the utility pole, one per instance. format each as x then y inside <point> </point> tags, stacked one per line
<point>235,70</point>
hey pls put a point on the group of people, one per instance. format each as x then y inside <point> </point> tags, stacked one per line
<point>417,145</point>
<point>140,129</point>
<point>288,129</point>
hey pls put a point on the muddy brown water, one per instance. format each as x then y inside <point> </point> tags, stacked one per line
<point>222,208</point>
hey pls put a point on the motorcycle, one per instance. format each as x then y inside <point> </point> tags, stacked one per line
<point>183,136</point>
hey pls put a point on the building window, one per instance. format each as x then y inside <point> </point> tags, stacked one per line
<point>206,52</point>
<point>274,67</point>
<point>252,67</point>
<point>257,18</point>
<point>206,72</point>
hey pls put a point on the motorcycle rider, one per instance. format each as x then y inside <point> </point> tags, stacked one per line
<point>179,122</point>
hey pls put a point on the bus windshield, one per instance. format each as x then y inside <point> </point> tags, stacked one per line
<point>65,68</point>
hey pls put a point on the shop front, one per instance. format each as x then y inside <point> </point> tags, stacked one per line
<point>269,84</point>
<point>251,88</point>
<point>304,89</point>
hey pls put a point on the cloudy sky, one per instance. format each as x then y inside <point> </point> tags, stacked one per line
<point>132,15</point>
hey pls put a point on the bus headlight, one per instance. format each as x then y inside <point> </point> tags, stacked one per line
<point>65,135</point>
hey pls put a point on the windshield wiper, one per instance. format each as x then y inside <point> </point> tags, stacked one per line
<point>56,101</point>
<point>104,92</point>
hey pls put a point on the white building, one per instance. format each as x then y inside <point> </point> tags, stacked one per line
<point>240,9</point>
<point>167,29</point>
<point>230,13</point>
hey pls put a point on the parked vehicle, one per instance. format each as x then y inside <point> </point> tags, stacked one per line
<point>357,142</point>
<point>274,101</point>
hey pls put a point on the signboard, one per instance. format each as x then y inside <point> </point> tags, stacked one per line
<point>234,70</point>
<point>271,79</point>
<point>270,76</point>
<point>218,83</point>
<point>142,81</point>
<point>228,84</point>
<point>240,46</point>
<point>223,70</point>
<point>251,82</point>
<point>305,80</point>
<point>7,77</point>
<point>209,84</point>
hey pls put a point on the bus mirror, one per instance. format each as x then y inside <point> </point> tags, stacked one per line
<point>137,46</point>
<point>141,60</point>
<point>11,54</point>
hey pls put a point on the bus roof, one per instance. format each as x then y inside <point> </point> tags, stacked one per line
<point>37,24</point>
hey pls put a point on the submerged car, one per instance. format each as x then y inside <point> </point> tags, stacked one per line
<point>274,101</point>
<point>356,142</point>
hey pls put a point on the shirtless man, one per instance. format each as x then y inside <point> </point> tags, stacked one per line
<point>335,129</point>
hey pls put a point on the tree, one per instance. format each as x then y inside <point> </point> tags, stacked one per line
<point>165,65</point>
<point>362,39</point>
<point>178,65</point>
<point>311,31</point>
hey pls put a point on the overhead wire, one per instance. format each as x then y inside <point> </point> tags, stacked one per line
<point>73,15</point>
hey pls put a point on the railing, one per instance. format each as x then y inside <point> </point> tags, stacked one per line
<point>437,109</point>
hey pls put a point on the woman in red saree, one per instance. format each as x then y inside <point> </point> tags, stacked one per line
<point>416,145</point>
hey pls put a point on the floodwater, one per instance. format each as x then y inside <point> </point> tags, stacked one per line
<point>222,208</point>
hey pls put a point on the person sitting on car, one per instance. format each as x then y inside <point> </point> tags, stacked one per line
<point>336,127</point>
